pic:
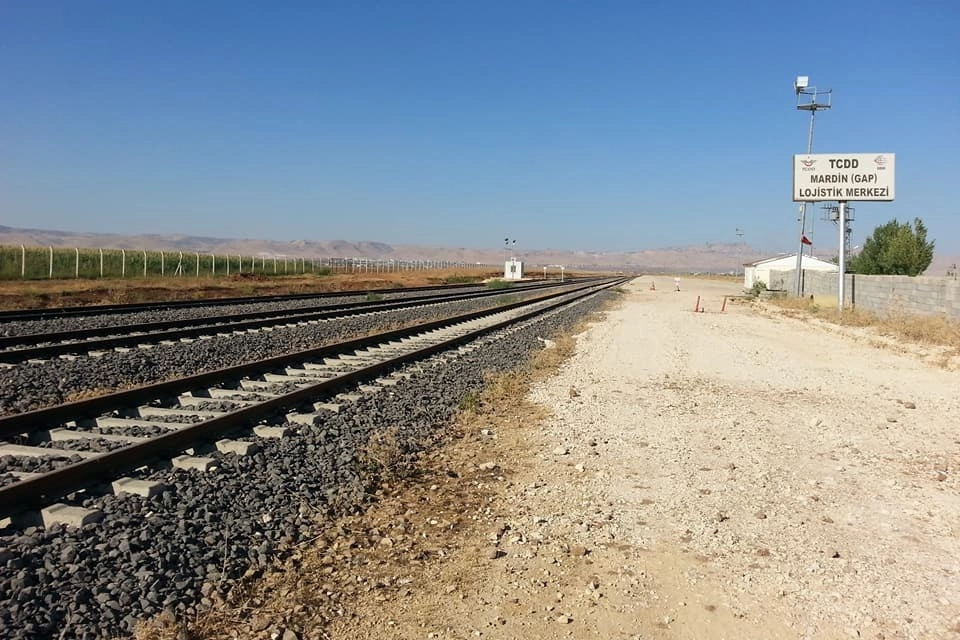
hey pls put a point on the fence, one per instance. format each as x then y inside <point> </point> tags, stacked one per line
<point>35,263</point>
<point>880,294</point>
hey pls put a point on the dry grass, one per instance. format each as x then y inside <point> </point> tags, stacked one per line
<point>925,330</point>
<point>39,294</point>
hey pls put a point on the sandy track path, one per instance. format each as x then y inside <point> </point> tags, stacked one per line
<point>708,475</point>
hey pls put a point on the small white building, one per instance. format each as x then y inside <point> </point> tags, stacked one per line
<point>513,269</point>
<point>759,271</point>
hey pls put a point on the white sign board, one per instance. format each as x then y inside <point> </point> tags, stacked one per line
<point>848,177</point>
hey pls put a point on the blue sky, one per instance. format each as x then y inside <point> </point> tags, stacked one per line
<point>573,125</point>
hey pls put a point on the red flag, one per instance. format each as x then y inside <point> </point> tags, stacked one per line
<point>805,240</point>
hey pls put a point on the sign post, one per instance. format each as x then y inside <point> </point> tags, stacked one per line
<point>842,254</point>
<point>844,177</point>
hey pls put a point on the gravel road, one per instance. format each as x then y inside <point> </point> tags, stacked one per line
<point>708,475</point>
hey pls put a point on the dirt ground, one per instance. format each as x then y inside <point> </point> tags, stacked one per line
<point>683,475</point>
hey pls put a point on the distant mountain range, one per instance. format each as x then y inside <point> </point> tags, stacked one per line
<point>707,258</point>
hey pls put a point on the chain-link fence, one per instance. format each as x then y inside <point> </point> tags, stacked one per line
<point>36,263</point>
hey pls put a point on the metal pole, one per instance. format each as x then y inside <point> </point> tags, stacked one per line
<point>843,257</point>
<point>739,233</point>
<point>803,207</point>
<point>803,230</point>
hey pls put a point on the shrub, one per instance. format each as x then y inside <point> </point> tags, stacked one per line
<point>460,279</point>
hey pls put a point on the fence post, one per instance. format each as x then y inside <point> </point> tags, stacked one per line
<point>76,268</point>
<point>274,264</point>
<point>228,264</point>
<point>123,263</point>
<point>51,263</point>
<point>180,264</point>
<point>198,264</point>
<point>23,261</point>
<point>144,263</point>
<point>213,264</point>
<point>101,264</point>
<point>162,266</point>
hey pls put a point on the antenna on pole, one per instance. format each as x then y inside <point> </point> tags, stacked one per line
<point>808,99</point>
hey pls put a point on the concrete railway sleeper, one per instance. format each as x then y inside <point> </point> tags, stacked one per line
<point>188,416</point>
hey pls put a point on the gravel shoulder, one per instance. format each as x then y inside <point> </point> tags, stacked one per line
<point>702,475</point>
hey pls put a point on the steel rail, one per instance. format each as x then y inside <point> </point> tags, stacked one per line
<point>12,315</point>
<point>18,423</point>
<point>215,320</point>
<point>156,332</point>
<point>27,494</point>
<point>113,309</point>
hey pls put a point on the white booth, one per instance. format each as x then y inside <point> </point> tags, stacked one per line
<point>513,269</point>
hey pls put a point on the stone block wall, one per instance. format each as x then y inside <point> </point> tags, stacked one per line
<point>880,294</point>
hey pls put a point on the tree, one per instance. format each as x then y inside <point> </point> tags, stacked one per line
<point>895,249</point>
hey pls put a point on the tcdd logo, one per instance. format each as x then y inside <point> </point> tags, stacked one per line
<point>844,163</point>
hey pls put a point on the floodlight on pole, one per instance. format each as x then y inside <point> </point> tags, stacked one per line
<point>808,99</point>
<point>507,243</point>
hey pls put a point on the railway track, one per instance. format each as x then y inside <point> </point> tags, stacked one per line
<point>127,308</point>
<point>29,346</point>
<point>23,315</point>
<point>223,412</point>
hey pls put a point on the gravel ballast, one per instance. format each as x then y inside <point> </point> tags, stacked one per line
<point>34,385</point>
<point>182,550</point>
<point>215,312</point>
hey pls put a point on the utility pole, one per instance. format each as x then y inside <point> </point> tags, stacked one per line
<point>818,100</point>
<point>739,233</point>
